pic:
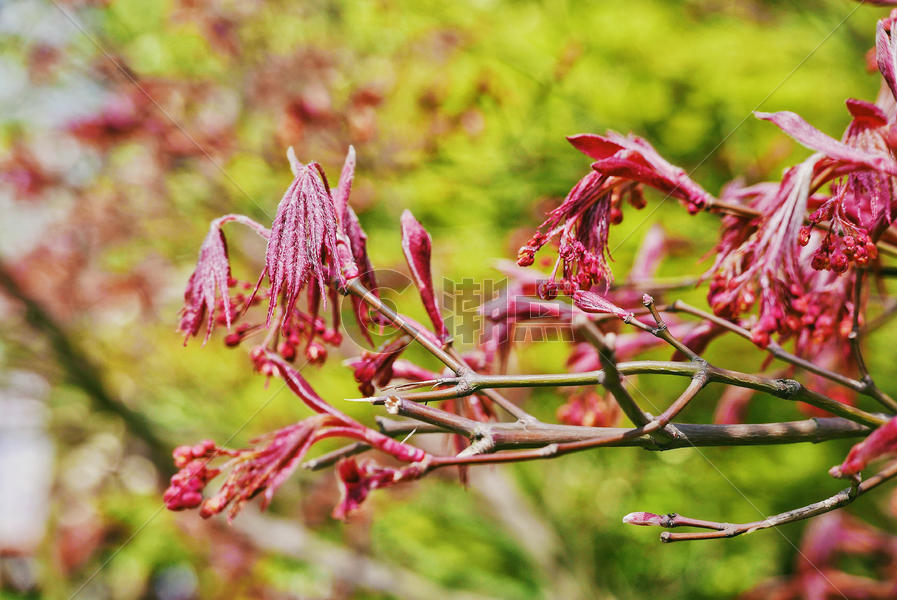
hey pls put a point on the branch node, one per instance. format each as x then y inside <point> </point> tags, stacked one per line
<point>393,405</point>
<point>549,450</point>
<point>667,441</point>
<point>464,386</point>
<point>789,387</point>
<point>482,445</point>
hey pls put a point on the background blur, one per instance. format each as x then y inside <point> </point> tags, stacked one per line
<point>458,111</point>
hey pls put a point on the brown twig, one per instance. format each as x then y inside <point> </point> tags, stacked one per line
<point>856,347</point>
<point>611,381</point>
<point>727,530</point>
<point>446,355</point>
<point>508,436</point>
<point>663,332</point>
<point>773,348</point>
<point>787,389</point>
<point>556,449</point>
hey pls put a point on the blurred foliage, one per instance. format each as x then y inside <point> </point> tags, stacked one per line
<point>458,111</point>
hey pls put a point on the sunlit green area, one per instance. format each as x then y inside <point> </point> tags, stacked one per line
<point>459,112</point>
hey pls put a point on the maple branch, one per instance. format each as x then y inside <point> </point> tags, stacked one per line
<point>557,449</point>
<point>663,332</point>
<point>788,389</point>
<point>506,436</point>
<point>773,348</point>
<point>445,355</point>
<point>856,347</point>
<point>333,457</point>
<point>497,443</point>
<point>611,381</point>
<point>355,287</point>
<point>500,400</point>
<point>728,530</point>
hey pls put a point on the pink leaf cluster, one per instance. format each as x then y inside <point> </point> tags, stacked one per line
<point>633,158</point>
<point>270,459</point>
<point>211,277</point>
<point>376,367</point>
<point>581,223</point>
<point>302,245</point>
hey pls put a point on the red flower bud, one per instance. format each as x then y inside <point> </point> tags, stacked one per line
<point>616,215</point>
<point>316,353</point>
<point>287,350</point>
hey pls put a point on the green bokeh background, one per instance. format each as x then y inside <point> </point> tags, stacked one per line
<point>476,100</point>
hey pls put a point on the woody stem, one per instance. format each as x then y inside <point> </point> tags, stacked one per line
<point>726,530</point>
<point>448,357</point>
<point>787,389</point>
<point>505,436</point>
<point>612,382</point>
<point>551,450</point>
<point>856,347</point>
<point>773,348</point>
<point>663,332</point>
